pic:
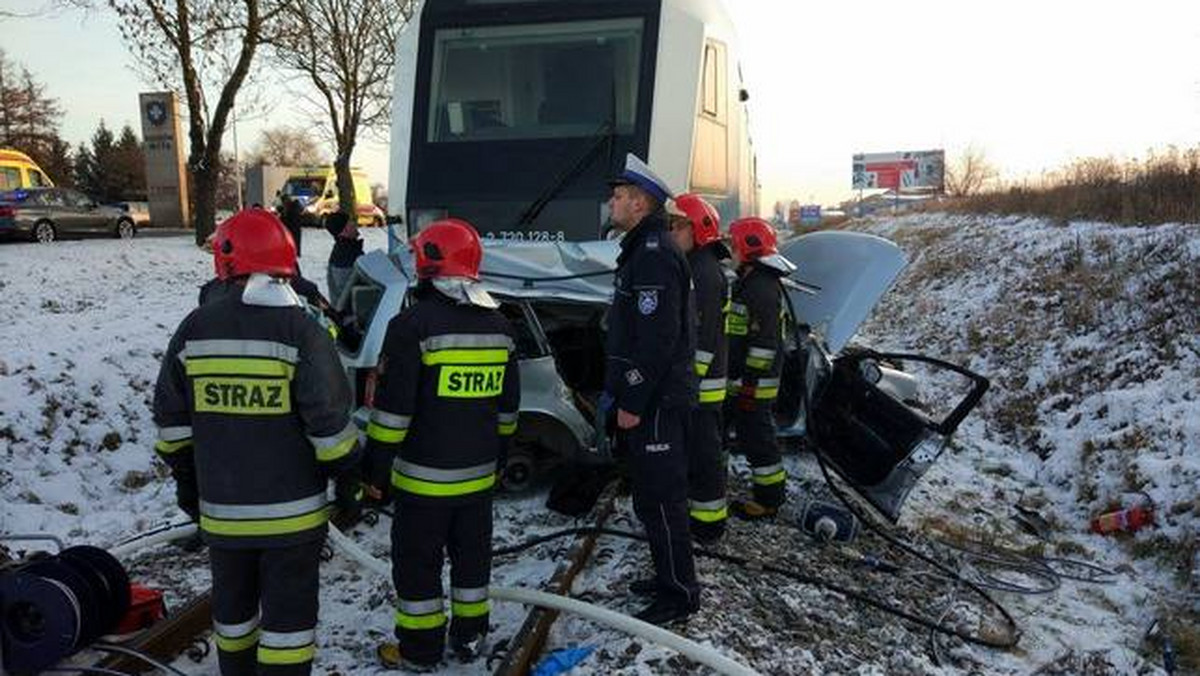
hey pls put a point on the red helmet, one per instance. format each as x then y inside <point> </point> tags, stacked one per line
<point>448,248</point>
<point>250,241</point>
<point>753,238</point>
<point>706,223</point>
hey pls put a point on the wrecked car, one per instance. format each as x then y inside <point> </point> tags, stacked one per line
<point>858,408</point>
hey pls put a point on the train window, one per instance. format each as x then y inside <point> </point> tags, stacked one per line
<point>710,80</point>
<point>710,150</point>
<point>534,81</point>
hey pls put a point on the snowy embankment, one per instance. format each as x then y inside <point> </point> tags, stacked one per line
<point>1090,334</point>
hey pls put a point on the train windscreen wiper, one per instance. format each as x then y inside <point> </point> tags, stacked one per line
<point>601,137</point>
<point>604,135</point>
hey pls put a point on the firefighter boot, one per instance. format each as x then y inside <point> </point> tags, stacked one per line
<point>750,510</point>
<point>389,656</point>
<point>468,648</point>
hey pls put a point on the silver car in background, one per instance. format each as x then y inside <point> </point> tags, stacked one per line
<point>46,214</point>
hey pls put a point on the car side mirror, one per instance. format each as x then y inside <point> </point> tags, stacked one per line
<point>743,95</point>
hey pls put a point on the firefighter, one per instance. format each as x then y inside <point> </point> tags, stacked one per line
<point>756,360</point>
<point>696,230</point>
<point>253,415</point>
<point>445,409</point>
<point>650,377</point>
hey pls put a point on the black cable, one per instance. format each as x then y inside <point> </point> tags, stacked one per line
<point>85,670</point>
<point>122,650</point>
<point>813,580</point>
<point>153,531</point>
<point>1014,634</point>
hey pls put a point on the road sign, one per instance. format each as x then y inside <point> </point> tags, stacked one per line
<point>810,214</point>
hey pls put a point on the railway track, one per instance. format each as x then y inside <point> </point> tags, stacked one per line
<point>184,629</point>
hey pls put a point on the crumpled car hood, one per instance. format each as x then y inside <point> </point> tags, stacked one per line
<point>843,275</point>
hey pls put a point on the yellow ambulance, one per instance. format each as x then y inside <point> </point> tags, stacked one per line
<point>316,188</point>
<point>18,171</point>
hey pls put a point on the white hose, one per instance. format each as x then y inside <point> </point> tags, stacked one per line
<point>688,648</point>
<point>137,544</point>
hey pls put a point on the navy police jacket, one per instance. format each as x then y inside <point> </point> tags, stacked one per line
<point>651,342</point>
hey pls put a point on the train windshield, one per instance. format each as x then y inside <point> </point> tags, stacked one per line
<point>535,81</point>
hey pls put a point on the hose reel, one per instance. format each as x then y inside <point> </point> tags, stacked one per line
<point>52,605</point>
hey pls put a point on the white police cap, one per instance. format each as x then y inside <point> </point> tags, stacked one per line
<point>637,173</point>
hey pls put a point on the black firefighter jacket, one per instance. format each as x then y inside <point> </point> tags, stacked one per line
<point>755,341</point>
<point>253,410</point>
<point>447,400</point>
<point>712,345</point>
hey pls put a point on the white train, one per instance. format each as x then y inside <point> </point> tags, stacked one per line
<point>513,113</point>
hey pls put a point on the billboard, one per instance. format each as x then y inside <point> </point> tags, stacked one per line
<point>902,171</point>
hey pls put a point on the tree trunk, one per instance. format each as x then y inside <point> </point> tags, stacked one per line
<point>204,214</point>
<point>347,200</point>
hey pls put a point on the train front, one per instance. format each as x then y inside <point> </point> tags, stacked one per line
<point>512,115</point>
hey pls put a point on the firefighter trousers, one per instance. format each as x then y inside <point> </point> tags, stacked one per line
<point>755,426</point>
<point>264,604</point>
<point>424,532</point>
<point>658,468</point>
<point>707,472</point>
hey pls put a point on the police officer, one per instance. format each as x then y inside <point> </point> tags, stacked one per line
<point>649,374</point>
<point>446,406</point>
<point>253,415</point>
<point>756,360</point>
<point>696,230</point>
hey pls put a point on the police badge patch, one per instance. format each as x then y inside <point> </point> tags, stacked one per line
<point>648,301</point>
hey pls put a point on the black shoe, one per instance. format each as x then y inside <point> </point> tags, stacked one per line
<point>665,611</point>
<point>750,510</point>
<point>708,532</point>
<point>468,648</point>
<point>645,587</point>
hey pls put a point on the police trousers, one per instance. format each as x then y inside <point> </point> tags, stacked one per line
<point>755,426</point>
<point>280,582</point>
<point>424,532</point>
<point>707,473</point>
<point>658,468</point>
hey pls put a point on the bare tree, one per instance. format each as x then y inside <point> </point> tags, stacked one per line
<point>969,173</point>
<point>286,147</point>
<point>345,49</point>
<point>204,49</point>
<point>29,121</point>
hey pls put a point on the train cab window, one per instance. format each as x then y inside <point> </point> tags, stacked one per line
<point>534,81</point>
<point>711,91</point>
<point>710,154</point>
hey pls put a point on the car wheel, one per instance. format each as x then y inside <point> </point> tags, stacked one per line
<point>378,222</point>
<point>43,231</point>
<point>125,229</point>
<point>518,472</point>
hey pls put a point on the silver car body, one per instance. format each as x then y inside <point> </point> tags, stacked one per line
<point>840,277</point>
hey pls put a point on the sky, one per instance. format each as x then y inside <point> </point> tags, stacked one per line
<point>1032,83</point>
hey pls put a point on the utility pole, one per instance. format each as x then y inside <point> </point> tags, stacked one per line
<point>237,158</point>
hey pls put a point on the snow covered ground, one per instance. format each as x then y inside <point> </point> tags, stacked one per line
<point>1090,333</point>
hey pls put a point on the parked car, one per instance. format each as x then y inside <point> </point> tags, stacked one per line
<point>47,214</point>
<point>858,408</point>
<point>138,211</point>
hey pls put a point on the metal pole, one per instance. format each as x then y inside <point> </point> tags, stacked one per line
<point>237,158</point>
